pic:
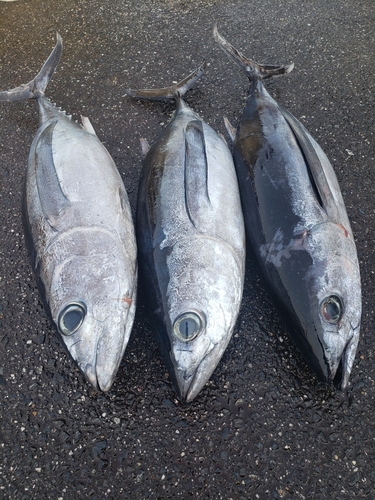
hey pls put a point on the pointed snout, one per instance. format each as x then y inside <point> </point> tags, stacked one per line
<point>99,356</point>
<point>335,365</point>
<point>189,385</point>
<point>191,374</point>
<point>101,377</point>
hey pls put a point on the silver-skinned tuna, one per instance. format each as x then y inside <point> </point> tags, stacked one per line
<point>297,223</point>
<point>80,234</point>
<point>191,241</point>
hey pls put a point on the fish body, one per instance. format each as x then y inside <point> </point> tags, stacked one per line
<point>297,223</point>
<point>80,235</point>
<point>191,241</point>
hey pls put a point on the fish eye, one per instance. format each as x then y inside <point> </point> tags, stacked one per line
<point>331,309</point>
<point>188,325</point>
<point>71,318</point>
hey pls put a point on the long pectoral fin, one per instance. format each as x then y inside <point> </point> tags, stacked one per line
<point>196,171</point>
<point>51,195</point>
<point>319,179</point>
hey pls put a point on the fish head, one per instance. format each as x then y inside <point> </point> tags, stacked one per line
<point>333,317</point>
<point>92,302</point>
<point>202,301</point>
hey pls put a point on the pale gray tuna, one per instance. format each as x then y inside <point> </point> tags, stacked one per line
<point>80,234</point>
<point>191,241</point>
<point>297,223</point>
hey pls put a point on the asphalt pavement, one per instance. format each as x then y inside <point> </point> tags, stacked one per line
<point>264,426</point>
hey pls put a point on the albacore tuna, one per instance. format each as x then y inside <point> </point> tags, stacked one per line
<point>80,234</point>
<point>298,226</point>
<point>191,241</point>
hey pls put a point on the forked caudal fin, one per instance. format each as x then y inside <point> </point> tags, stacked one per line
<point>173,92</point>
<point>39,83</point>
<point>252,69</point>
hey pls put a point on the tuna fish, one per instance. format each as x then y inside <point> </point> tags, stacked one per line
<point>80,234</point>
<point>191,241</point>
<point>297,223</point>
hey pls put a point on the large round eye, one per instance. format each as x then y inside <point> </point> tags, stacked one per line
<point>71,317</point>
<point>332,309</point>
<point>188,325</point>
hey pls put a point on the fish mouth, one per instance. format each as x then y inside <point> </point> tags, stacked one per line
<point>188,386</point>
<point>191,381</point>
<point>341,367</point>
<point>101,378</point>
<point>99,358</point>
<point>185,382</point>
<point>109,353</point>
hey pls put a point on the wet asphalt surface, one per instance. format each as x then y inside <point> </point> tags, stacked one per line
<point>264,426</point>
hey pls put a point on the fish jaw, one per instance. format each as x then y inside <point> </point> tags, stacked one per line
<point>99,345</point>
<point>191,383</point>
<point>333,347</point>
<point>347,359</point>
<point>111,348</point>
<point>190,380</point>
<point>194,365</point>
<point>334,362</point>
<point>339,344</point>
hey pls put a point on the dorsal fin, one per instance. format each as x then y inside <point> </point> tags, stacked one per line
<point>87,125</point>
<point>230,129</point>
<point>145,147</point>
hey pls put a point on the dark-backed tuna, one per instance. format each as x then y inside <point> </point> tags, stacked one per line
<point>191,241</point>
<point>80,234</point>
<point>298,226</point>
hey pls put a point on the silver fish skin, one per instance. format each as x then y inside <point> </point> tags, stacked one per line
<point>191,241</point>
<point>80,234</point>
<point>297,223</point>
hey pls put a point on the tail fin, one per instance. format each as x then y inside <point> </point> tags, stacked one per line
<point>252,69</point>
<point>173,92</point>
<point>39,83</point>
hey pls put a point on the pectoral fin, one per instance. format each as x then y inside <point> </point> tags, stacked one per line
<point>196,171</point>
<point>51,195</point>
<point>319,179</point>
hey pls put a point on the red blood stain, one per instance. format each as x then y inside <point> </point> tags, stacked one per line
<point>344,230</point>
